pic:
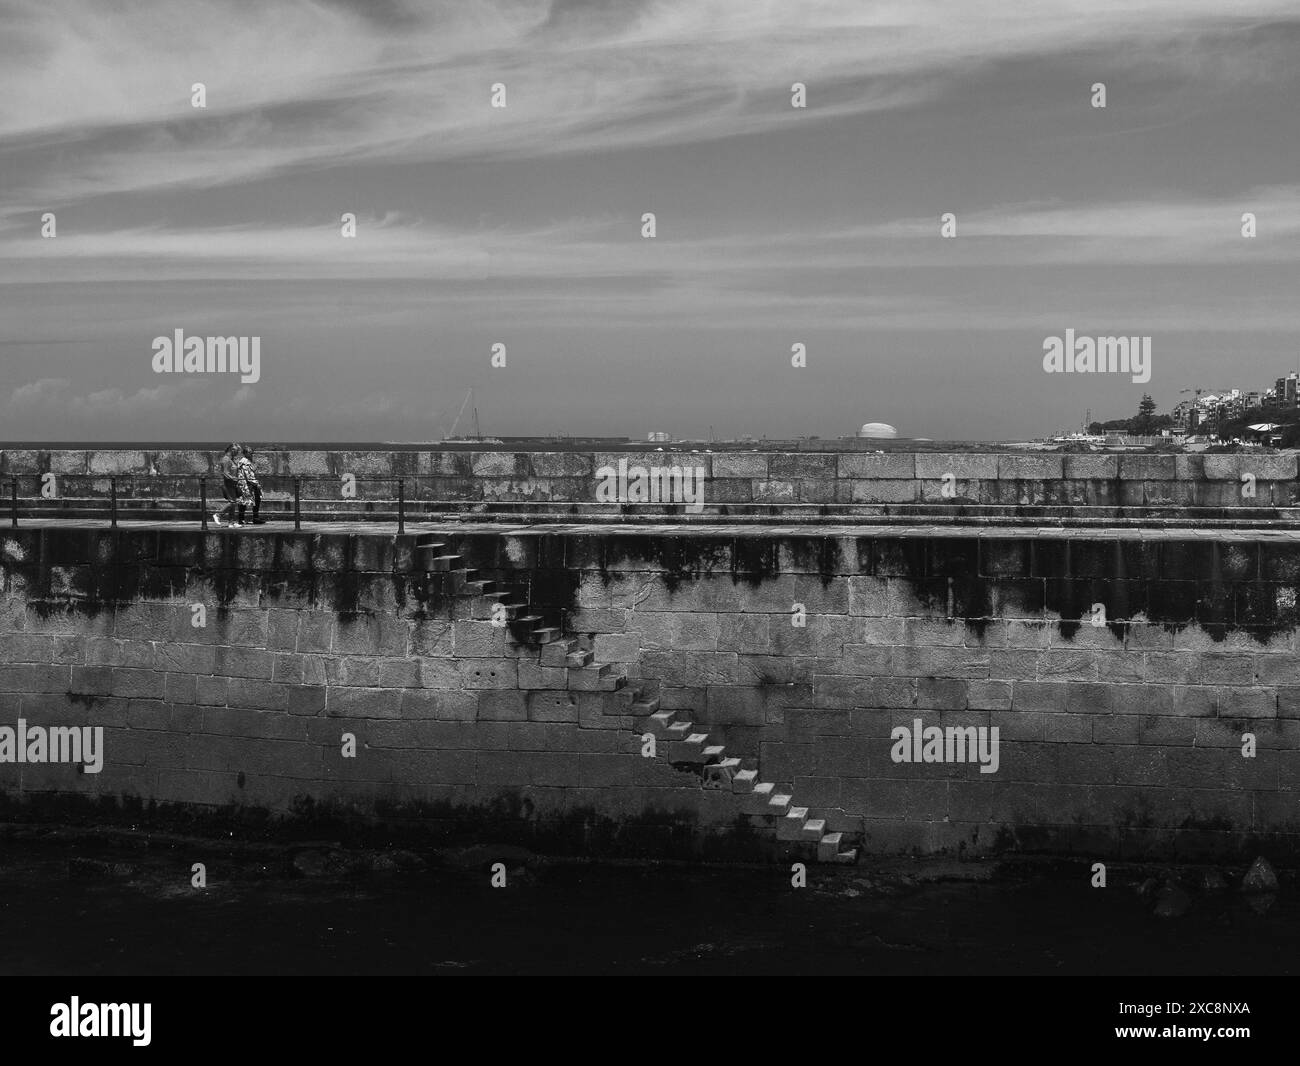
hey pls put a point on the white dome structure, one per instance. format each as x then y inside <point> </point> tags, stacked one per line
<point>877,429</point>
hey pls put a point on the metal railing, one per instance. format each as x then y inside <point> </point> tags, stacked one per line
<point>124,491</point>
<point>113,510</point>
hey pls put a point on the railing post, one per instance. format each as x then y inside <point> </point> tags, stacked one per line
<point>112,488</point>
<point>297,503</point>
<point>401,505</point>
<point>13,502</point>
<point>203,501</point>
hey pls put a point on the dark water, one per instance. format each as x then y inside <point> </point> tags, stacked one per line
<point>111,912</point>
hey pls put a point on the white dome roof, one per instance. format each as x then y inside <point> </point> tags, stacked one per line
<point>877,429</point>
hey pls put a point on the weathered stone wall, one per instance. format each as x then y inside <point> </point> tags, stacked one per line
<point>1127,735</point>
<point>814,479</point>
<point>1119,739</point>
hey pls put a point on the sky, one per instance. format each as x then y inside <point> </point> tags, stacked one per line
<point>522,225</point>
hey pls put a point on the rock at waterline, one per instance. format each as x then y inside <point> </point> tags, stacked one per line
<point>311,863</point>
<point>1172,902</point>
<point>1213,881</point>
<point>1260,877</point>
<point>482,856</point>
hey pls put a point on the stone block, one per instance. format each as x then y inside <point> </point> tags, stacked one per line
<point>873,466</point>
<point>1030,467</point>
<point>774,491</point>
<point>439,705</point>
<point>1091,467</point>
<point>502,705</point>
<point>211,691</point>
<point>562,464</point>
<point>739,465</point>
<point>799,466</point>
<point>878,490</point>
<point>1147,467</point>
<point>488,673</point>
<point>138,684</point>
<point>965,466</point>
<point>345,702</point>
<point>306,699</point>
<point>548,706</point>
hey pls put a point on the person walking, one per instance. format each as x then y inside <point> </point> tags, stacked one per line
<point>234,487</point>
<point>254,487</point>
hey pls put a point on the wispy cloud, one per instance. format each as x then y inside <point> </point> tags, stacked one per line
<point>1174,230</point>
<point>57,397</point>
<point>301,84</point>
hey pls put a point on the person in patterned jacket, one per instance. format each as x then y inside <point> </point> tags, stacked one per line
<point>234,487</point>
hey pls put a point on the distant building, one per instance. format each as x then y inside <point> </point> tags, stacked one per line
<point>659,436</point>
<point>877,429</point>
<point>1285,391</point>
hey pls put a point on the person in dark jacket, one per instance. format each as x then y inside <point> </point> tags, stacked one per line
<point>234,487</point>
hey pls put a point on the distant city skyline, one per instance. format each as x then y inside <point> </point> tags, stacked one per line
<point>522,225</point>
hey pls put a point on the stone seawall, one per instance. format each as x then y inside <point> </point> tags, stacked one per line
<point>1121,733</point>
<point>732,478</point>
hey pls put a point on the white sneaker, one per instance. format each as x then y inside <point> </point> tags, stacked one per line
<point>216,520</point>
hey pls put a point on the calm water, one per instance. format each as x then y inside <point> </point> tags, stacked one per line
<point>132,911</point>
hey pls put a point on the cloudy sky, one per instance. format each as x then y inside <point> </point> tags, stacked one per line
<point>522,225</point>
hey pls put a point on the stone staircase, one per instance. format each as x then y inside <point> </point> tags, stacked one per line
<point>765,799</point>
<point>764,802</point>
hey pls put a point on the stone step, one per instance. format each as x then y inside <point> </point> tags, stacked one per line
<point>779,803</point>
<point>790,827</point>
<point>847,858</point>
<point>490,607</point>
<point>760,798</point>
<point>660,723</point>
<point>644,705</point>
<point>576,660</point>
<point>546,634</point>
<point>720,773</point>
<point>679,730</point>
<point>477,588</point>
<point>714,753</point>
<point>743,781</point>
<point>603,678</point>
<point>443,564</point>
<point>620,699</point>
<point>461,577</point>
<point>828,847</point>
<point>425,554</point>
<point>814,829</point>
<point>557,651</point>
<point>689,751</point>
